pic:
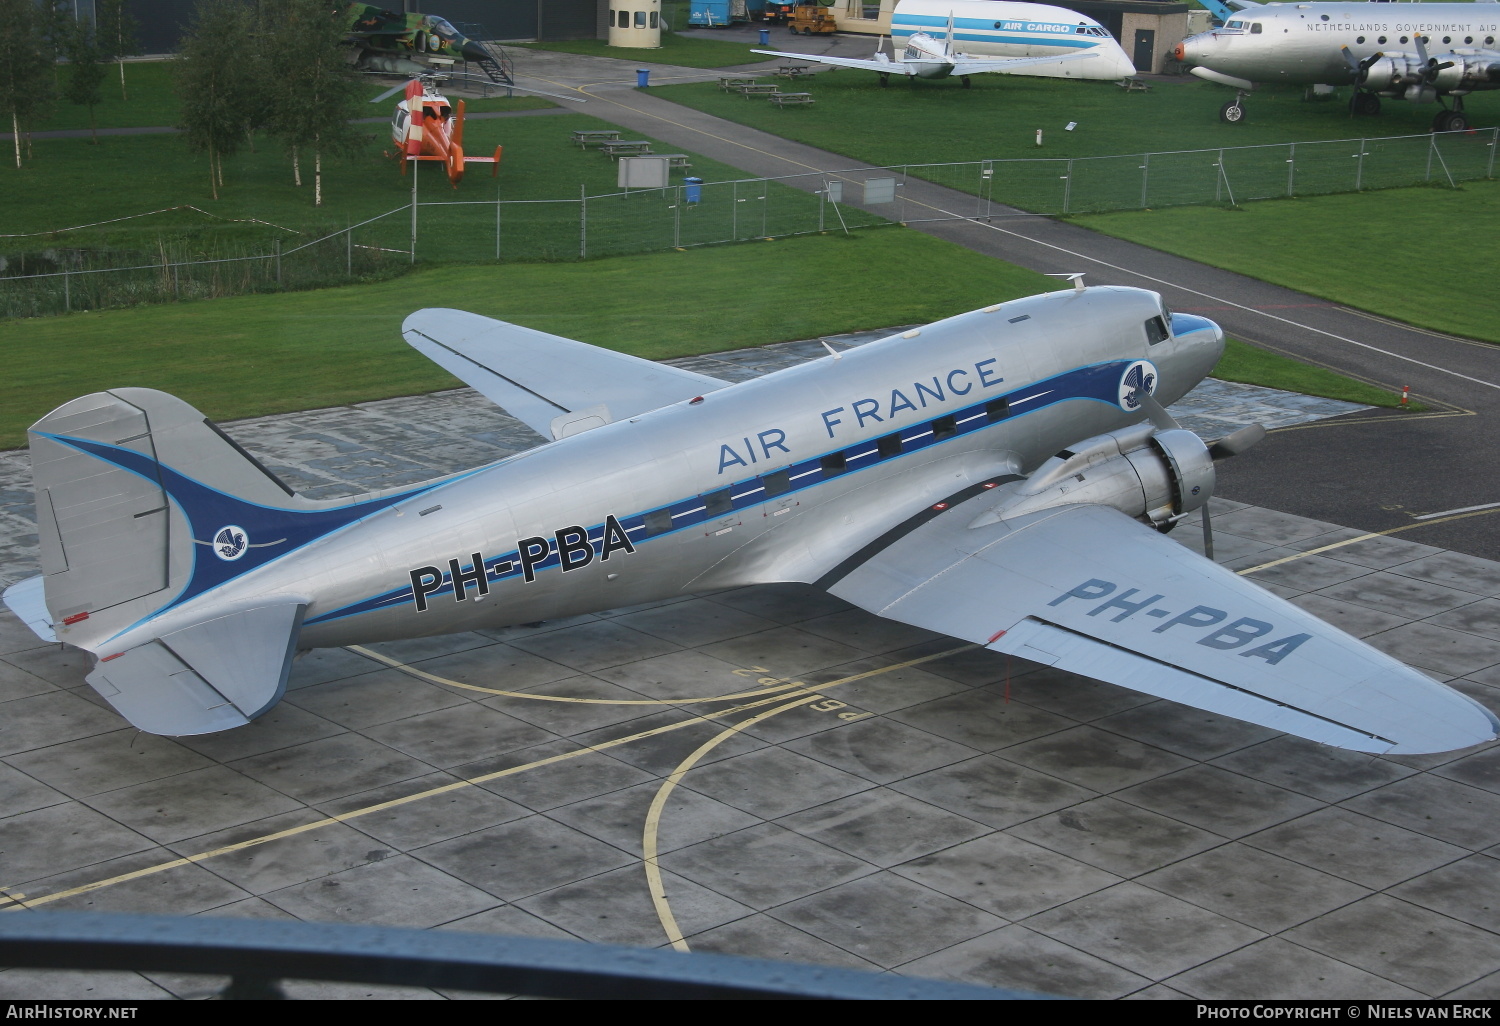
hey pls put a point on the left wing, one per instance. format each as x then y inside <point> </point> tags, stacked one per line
<point>880,62</point>
<point>1090,590</point>
<point>555,385</point>
<point>965,65</point>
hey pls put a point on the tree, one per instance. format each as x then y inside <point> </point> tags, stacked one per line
<point>27,57</point>
<point>315,91</point>
<point>216,82</point>
<point>80,43</point>
<point>115,33</point>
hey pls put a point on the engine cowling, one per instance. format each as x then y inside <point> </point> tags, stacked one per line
<point>1398,74</point>
<point>1153,475</point>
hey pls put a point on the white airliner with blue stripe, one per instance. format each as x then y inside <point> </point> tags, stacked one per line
<point>1006,476</point>
<point>946,38</point>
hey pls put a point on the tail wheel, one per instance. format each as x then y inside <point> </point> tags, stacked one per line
<point>1232,112</point>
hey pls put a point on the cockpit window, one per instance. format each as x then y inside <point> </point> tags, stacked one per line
<point>1156,331</point>
<point>1234,26</point>
<point>442,28</point>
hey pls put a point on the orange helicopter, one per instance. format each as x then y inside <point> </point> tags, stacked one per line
<point>426,127</point>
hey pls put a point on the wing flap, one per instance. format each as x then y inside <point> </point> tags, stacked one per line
<point>1090,590</point>
<point>537,377</point>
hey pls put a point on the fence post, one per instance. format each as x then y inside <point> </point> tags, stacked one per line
<point>1489,172</point>
<point>349,251</point>
<point>583,222</point>
<point>677,220</point>
<point>67,293</point>
<point>497,222</point>
<point>177,290</point>
<point>1068,185</point>
<point>1359,167</point>
<point>1145,177</point>
<point>1291,169</point>
<point>822,201</point>
<point>1431,143</point>
<point>278,267</point>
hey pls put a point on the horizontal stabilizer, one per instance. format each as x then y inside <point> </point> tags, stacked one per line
<point>212,676</point>
<point>1088,589</point>
<point>537,377</point>
<point>27,599</point>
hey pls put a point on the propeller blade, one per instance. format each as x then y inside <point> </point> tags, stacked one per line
<point>1236,442</point>
<point>1354,65</point>
<point>392,91</point>
<point>1156,411</point>
<point>1421,44</point>
<point>1208,533</point>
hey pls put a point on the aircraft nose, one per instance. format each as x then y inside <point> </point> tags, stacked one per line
<point>1179,53</point>
<point>1191,49</point>
<point>473,51</point>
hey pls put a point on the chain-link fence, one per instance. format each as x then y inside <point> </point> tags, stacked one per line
<point>698,214</point>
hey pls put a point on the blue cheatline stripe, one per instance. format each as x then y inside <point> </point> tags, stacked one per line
<point>1093,383</point>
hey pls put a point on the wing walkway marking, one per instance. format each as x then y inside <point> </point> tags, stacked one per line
<point>1073,253</point>
<point>10,900</point>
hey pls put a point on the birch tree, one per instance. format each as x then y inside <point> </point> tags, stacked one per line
<point>27,59</point>
<point>217,82</point>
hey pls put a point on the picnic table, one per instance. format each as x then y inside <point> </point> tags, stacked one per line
<point>759,90</point>
<point>792,99</point>
<point>595,135</point>
<point>793,71</point>
<point>734,82</point>
<point>617,148</point>
<point>1134,85</point>
<point>675,160</point>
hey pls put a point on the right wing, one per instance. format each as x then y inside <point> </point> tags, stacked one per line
<point>556,385</point>
<point>1090,590</point>
<point>879,63</point>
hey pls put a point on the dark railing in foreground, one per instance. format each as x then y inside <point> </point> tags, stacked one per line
<point>257,954</point>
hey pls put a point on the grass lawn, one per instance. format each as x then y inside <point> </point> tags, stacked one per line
<point>921,122</point>
<point>251,355</point>
<point>1330,246</point>
<point>682,51</point>
<point>72,182</point>
<point>152,101</point>
<point>1245,363</point>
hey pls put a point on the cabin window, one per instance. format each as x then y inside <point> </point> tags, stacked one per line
<point>1403,39</point>
<point>640,19</point>
<point>1380,40</point>
<point>1468,39</point>
<point>999,23</point>
<point>1325,17</point>
<point>997,409</point>
<point>1489,40</point>
<point>889,446</point>
<point>944,427</point>
<point>1255,28</point>
<point>1447,39</point>
<point>777,483</point>
<point>653,19</point>
<point>834,464</point>
<point>658,521</point>
<point>1156,331</point>
<point>716,504</point>
<point>1360,40</point>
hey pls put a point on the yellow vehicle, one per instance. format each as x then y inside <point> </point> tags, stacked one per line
<point>811,20</point>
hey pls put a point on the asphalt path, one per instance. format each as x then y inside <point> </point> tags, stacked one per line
<point>1375,471</point>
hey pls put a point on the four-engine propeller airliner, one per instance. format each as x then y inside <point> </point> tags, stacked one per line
<point>996,37</point>
<point>1423,53</point>
<point>1004,476</point>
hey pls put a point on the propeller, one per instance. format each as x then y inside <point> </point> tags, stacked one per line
<point>1231,444</point>
<point>1362,68</point>
<point>1430,65</point>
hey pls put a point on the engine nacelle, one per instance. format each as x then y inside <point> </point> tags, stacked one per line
<point>1155,476</point>
<point>1402,74</point>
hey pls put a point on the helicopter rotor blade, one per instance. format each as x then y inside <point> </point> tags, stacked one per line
<point>392,91</point>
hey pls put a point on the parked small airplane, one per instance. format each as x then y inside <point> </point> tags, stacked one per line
<point>1003,476</point>
<point>999,36</point>
<point>1420,52</point>
<point>426,127</point>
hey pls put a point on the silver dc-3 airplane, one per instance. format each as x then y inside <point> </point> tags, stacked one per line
<point>1424,53</point>
<point>1003,476</point>
<point>999,37</point>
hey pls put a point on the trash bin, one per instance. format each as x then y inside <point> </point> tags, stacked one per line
<point>765,37</point>
<point>694,191</point>
<point>642,76</point>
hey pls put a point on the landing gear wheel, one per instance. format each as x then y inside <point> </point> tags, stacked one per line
<point>885,78</point>
<point>1450,121</point>
<point>966,81</point>
<point>1364,105</point>
<point>1232,112</point>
